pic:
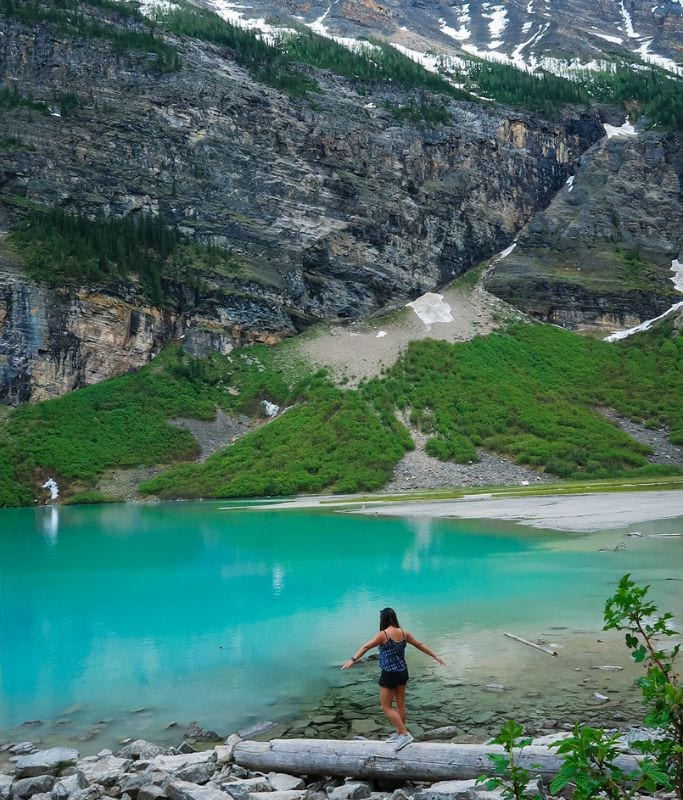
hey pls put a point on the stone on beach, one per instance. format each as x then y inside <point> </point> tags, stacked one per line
<point>281,782</point>
<point>182,790</point>
<point>105,771</point>
<point>354,790</point>
<point>241,789</point>
<point>46,762</point>
<point>27,787</point>
<point>174,763</point>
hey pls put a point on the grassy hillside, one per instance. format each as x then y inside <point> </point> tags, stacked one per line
<point>531,393</point>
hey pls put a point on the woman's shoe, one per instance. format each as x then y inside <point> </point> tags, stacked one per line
<point>392,738</point>
<point>402,740</point>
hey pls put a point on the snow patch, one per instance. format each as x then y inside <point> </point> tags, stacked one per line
<point>644,326</point>
<point>677,279</point>
<point>570,182</point>
<point>460,34</point>
<point>498,20</point>
<point>270,409</point>
<point>431,308</point>
<point>230,13</point>
<point>625,130</point>
<point>505,253</point>
<point>628,22</point>
<point>607,38</point>
<point>654,58</point>
<point>430,62</point>
<point>52,487</point>
<point>150,8</point>
<point>380,334</point>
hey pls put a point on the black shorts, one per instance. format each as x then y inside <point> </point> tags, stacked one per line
<point>390,680</point>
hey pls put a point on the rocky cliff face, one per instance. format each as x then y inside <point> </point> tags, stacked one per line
<point>599,257</point>
<point>333,207</point>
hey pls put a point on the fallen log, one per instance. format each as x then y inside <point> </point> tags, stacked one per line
<point>532,644</point>
<point>423,761</point>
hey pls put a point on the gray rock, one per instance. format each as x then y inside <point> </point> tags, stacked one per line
<point>445,732</point>
<point>89,793</point>
<point>443,790</point>
<point>173,764</point>
<point>181,790</point>
<point>293,794</point>
<point>20,748</point>
<point>151,791</point>
<point>185,747</point>
<point>197,773</point>
<point>27,787</point>
<point>354,790</point>
<point>132,782</point>
<point>195,731</point>
<point>105,771</point>
<point>284,783</point>
<point>67,785</point>
<point>141,749</point>
<point>5,786</point>
<point>241,789</point>
<point>46,762</point>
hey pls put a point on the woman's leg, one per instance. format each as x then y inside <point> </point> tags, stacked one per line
<point>386,698</point>
<point>401,702</point>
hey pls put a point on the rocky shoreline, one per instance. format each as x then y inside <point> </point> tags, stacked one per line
<point>142,770</point>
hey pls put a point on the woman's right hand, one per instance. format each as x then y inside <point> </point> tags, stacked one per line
<point>348,664</point>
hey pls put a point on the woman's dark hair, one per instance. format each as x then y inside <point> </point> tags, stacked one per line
<point>387,617</point>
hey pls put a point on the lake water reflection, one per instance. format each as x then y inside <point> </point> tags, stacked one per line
<point>135,616</point>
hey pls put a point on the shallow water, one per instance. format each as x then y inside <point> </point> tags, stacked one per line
<point>119,620</point>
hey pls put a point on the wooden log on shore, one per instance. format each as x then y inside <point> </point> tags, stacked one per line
<point>540,647</point>
<point>423,761</point>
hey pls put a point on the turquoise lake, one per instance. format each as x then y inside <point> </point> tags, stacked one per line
<point>141,615</point>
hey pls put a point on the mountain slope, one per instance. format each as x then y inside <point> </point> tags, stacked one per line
<point>330,204</point>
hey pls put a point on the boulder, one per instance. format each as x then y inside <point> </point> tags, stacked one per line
<point>197,773</point>
<point>181,790</point>
<point>141,749</point>
<point>151,791</point>
<point>105,771</point>
<point>46,762</point>
<point>67,785</point>
<point>89,793</point>
<point>294,794</point>
<point>448,790</point>
<point>242,789</point>
<point>354,790</point>
<point>195,731</point>
<point>280,782</point>
<point>5,786</point>
<point>173,764</point>
<point>27,787</point>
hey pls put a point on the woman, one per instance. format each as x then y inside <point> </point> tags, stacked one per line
<point>392,640</point>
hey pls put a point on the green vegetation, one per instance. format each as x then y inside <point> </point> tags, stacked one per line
<point>630,610</point>
<point>59,248</point>
<point>590,755</point>
<point>417,112</point>
<point>531,393</point>
<point>657,94</point>
<point>12,98</point>
<point>332,441</point>
<point>134,34</point>
<point>279,64</point>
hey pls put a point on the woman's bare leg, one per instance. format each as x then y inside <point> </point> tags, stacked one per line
<point>386,699</point>
<point>401,702</point>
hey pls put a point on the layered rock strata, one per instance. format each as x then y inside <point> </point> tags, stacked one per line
<point>331,206</point>
<point>599,256</point>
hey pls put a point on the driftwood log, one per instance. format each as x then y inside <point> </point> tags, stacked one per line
<point>423,761</point>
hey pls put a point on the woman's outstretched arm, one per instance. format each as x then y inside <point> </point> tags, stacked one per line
<point>424,648</point>
<point>378,639</point>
